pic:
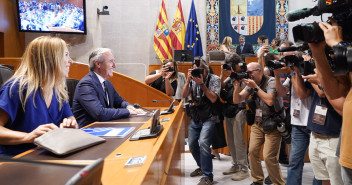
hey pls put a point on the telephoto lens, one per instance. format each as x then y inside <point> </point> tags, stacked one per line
<point>286,136</point>
<point>239,76</point>
<point>226,67</point>
<point>273,64</point>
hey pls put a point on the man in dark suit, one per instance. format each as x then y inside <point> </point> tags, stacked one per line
<point>244,47</point>
<point>95,98</point>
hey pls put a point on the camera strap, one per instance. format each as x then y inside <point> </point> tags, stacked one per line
<point>198,93</point>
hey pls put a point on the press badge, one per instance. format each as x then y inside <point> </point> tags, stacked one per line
<point>296,109</point>
<point>320,115</point>
<point>258,115</point>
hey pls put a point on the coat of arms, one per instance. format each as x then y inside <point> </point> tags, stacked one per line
<point>247,16</point>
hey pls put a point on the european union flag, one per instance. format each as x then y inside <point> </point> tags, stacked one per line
<point>192,39</point>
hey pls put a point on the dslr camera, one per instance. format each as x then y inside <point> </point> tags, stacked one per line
<point>196,72</point>
<point>239,76</point>
<point>169,68</point>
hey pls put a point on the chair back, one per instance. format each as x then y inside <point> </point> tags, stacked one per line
<point>71,87</point>
<point>5,74</point>
<point>216,56</point>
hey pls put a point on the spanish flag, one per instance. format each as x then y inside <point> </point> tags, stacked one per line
<point>162,40</point>
<point>178,30</point>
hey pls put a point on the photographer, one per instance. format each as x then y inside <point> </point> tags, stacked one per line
<point>165,79</point>
<point>235,119</point>
<point>204,89</point>
<point>264,130</point>
<point>299,111</point>
<point>336,89</point>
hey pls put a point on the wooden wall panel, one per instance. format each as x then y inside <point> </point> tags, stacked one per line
<point>14,41</point>
<point>2,44</point>
<point>130,89</point>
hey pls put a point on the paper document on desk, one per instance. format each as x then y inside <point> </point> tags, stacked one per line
<point>120,132</point>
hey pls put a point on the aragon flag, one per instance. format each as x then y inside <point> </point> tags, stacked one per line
<point>162,40</point>
<point>178,29</point>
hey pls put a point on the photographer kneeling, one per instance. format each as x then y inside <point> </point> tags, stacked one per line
<point>264,130</point>
<point>204,89</point>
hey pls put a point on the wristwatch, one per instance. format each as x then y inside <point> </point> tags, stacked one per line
<point>342,43</point>
<point>256,89</point>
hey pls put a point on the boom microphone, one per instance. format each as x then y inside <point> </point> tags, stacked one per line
<point>296,15</point>
<point>293,48</point>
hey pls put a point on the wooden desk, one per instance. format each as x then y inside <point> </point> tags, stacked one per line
<point>164,163</point>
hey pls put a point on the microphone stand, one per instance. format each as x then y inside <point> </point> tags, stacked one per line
<point>137,106</point>
<point>170,109</point>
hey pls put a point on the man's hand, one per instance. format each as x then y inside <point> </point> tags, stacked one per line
<point>236,83</point>
<point>313,78</point>
<point>189,75</point>
<point>264,49</point>
<point>317,48</point>
<point>250,83</point>
<point>133,110</point>
<point>40,130</point>
<point>332,32</point>
<point>283,70</point>
<point>198,80</point>
<point>168,74</point>
<point>225,73</point>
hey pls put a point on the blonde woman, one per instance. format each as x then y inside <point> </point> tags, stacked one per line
<point>226,45</point>
<point>165,79</point>
<point>35,101</point>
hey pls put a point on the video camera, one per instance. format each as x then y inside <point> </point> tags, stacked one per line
<point>289,60</point>
<point>305,67</point>
<point>311,32</point>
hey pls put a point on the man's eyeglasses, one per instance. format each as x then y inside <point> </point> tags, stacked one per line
<point>250,72</point>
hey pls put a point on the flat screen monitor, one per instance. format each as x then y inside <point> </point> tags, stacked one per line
<point>52,16</point>
<point>183,55</point>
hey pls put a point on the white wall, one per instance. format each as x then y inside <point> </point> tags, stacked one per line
<point>128,31</point>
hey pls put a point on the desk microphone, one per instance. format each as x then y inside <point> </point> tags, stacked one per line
<point>137,106</point>
<point>161,100</point>
<point>170,109</point>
